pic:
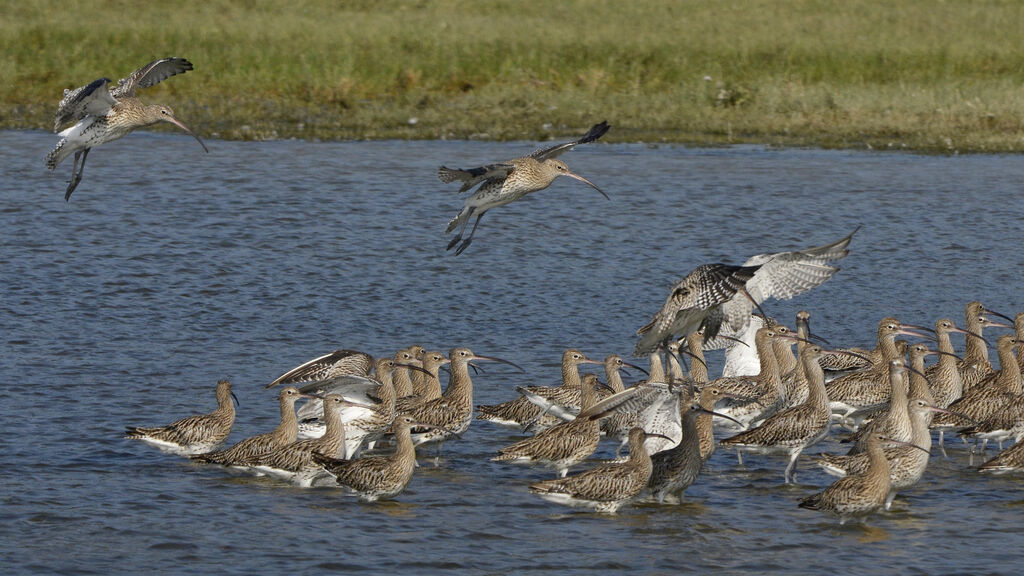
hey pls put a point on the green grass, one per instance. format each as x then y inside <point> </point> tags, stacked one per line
<point>915,74</point>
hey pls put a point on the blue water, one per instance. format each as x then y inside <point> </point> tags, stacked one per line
<point>170,269</point>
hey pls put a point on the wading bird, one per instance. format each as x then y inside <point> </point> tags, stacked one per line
<point>508,181</point>
<point>102,115</point>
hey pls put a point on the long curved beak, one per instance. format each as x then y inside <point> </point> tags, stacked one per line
<point>503,361</point>
<point>635,366</point>
<point>846,353</point>
<point>969,333</point>
<point>178,123</point>
<point>237,403</point>
<point>819,339</point>
<point>954,413</point>
<point>996,324</point>
<point>908,330</point>
<point>694,356</point>
<point>994,313</point>
<point>917,327</point>
<point>588,182</point>
<point>941,353</point>
<point>723,336</point>
<point>894,441</point>
<point>413,367</point>
<point>720,415</point>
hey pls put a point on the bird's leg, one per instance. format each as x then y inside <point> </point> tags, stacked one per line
<point>789,475</point>
<point>437,457</point>
<point>465,243</point>
<point>462,229</point>
<point>76,173</point>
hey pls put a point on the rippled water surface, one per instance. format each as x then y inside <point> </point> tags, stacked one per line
<point>170,269</point>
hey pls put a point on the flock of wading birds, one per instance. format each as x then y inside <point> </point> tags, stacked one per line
<point>886,397</point>
<point>769,399</point>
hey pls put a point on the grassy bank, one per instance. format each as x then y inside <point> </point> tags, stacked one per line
<point>917,74</point>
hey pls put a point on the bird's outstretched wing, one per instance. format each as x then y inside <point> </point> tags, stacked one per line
<point>472,176</point>
<point>93,98</point>
<point>693,303</point>
<point>782,276</point>
<point>338,363</point>
<point>153,73</point>
<point>595,132</point>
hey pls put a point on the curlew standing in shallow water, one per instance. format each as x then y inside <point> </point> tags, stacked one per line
<point>508,181</point>
<point>858,495</point>
<point>249,450</point>
<point>195,434</point>
<point>102,115</point>
<point>376,477</point>
<point>604,488</point>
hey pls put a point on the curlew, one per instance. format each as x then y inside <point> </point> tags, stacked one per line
<point>675,469</point>
<point>426,384</point>
<point>984,400</point>
<point>249,450</point>
<point>195,434</point>
<point>764,391</point>
<point>376,477</point>
<point>605,488</point>
<point>102,114</point>
<point>693,302</point>
<point>852,392</point>
<point>793,430</point>
<point>508,181</point>
<point>563,445</point>
<point>522,412</point>
<point>782,276</point>
<point>858,495</point>
<point>294,462</point>
<point>892,420</point>
<point>451,414</point>
<point>907,463</point>
<point>975,366</point>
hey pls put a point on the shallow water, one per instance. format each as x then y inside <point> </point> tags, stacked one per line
<point>170,269</point>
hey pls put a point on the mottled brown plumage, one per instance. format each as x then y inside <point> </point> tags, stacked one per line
<point>856,495</point>
<point>693,302</point>
<point>376,477</point>
<point>195,434</point>
<point>248,451</point>
<point>794,429</point>
<point>341,362</point>
<point>451,414</point>
<point>604,488</point>
<point>975,366</point>
<point>563,445</point>
<point>521,411</point>
<point>858,390</point>
<point>907,462</point>
<point>294,462</point>
<point>981,402</point>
